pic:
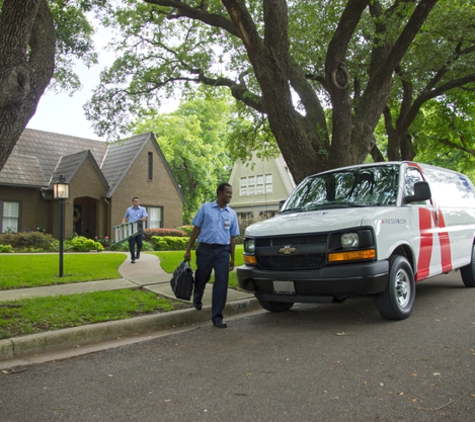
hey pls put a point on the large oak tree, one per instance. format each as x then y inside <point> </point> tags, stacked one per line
<point>323,73</point>
<point>27,51</point>
<point>38,41</point>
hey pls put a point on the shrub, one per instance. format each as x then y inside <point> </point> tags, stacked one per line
<point>83,244</point>
<point>170,243</point>
<point>6,248</point>
<point>149,233</point>
<point>29,241</point>
<point>120,247</point>
<point>103,240</point>
<point>186,229</point>
<point>243,225</point>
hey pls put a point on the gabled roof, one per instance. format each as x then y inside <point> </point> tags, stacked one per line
<point>70,164</point>
<point>48,148</point>
<point>120,157</point>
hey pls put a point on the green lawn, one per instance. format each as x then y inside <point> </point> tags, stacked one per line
<point>35,315</point>
<point>169,260</point>
<point>34,270</point>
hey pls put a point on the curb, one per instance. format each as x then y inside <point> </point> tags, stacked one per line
<point>72,337</point>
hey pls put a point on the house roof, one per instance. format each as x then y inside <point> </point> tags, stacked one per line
<point>70,164</point>
<point>119,158</point>
<point>38,159</point>
<point>49,147</point>
<point>22,170</point>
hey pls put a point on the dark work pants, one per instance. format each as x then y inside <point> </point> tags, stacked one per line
<point>209,257</point>
<point>135,240</point>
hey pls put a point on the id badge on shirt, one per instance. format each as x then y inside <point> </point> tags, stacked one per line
<point>227,224</point>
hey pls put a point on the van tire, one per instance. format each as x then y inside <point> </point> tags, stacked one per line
<point>275,306</point>
<point>397,301</point>
<point>468,272</point>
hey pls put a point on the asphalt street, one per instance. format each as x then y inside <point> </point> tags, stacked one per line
<point>315,363</point>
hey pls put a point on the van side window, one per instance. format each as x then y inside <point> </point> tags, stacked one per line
<point>412,176</point>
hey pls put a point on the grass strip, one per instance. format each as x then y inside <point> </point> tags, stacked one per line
<point>36,315</point>
<point>33,270</point>
<point>169,260</point>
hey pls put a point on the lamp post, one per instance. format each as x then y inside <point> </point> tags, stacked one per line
<point>61,192</point>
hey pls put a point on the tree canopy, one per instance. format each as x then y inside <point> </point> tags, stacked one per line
<point>322,73</point>
<point>193,139</point>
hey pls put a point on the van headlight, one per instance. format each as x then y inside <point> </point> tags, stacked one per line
<point>350,240</point>
<point>249,246</point>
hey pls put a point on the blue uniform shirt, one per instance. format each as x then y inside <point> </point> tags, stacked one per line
<point>217,225</point>
<point>135,214</point>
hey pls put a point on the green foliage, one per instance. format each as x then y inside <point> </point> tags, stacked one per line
<point>30,241</point>
<point>444,133</point>
<point>193,139</point>
<point>170,243</point>
<point>74,33</point>
<point>149,233</point>
<point>41,314</point>
<point>6,248</point>
<point>186,229</point>
<point>32,270</point>
<point>161,54</point>
<point>83,244</point>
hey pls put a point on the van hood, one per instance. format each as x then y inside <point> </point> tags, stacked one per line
<point>309,222</point>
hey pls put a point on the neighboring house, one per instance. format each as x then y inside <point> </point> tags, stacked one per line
<point>103,178</point>
<point>259,186</point>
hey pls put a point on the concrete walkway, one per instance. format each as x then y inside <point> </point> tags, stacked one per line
<point>147,274</point>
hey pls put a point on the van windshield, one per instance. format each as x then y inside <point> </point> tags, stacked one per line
<point>355,187</point>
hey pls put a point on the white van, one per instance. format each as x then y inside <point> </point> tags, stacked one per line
<point>373,229</point>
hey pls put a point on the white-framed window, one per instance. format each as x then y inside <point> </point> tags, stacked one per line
<point>155,217</point>
<point>251,182</point>
<point>10,216</point>
<point>260,184</point>
<point>268,180</point>
<point>243,186</point>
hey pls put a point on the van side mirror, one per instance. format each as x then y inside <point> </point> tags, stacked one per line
<point>421,193</point>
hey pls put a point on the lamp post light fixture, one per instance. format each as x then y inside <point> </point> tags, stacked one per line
<point>61,192</point>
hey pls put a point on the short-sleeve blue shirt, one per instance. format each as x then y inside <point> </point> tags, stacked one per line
<point>135,214</point>
<point>217,224</point>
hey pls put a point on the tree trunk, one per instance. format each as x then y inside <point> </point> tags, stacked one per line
<point>27,51</point>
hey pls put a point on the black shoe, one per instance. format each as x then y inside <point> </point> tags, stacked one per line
<point>133,261</point>
<point>197,304</point>
<point>220,324</point>
<point>197,301</point>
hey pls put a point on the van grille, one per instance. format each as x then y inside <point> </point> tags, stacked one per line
<point>292,261</point>
<point>314,239</point>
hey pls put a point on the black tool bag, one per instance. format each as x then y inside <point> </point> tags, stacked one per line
<point>182,281</point>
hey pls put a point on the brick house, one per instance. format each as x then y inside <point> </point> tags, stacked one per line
<point>103,178</point>
<point>259,186</point>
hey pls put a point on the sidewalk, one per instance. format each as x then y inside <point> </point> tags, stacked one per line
<point>146,273</point>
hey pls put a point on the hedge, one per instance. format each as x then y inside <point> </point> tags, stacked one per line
<point>149,233</point>
<point>170,243</point>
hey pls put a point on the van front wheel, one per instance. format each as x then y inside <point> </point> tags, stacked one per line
<point>468,272</point>
<point>397,301</point>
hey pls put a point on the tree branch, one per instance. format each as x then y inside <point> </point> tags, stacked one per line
<point>199,13</point>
